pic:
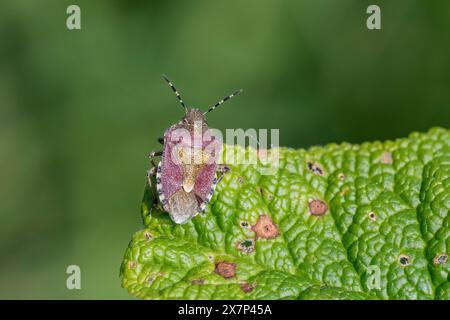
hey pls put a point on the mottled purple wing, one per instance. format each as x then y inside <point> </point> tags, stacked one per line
<point>205,180</point>
<point>171,173</point>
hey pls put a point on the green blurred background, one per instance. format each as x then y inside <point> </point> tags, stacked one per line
<point>80,110</point>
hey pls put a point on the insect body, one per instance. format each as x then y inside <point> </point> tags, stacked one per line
<point>188,173</point>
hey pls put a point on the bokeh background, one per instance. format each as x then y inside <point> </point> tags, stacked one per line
<point>80,110</point>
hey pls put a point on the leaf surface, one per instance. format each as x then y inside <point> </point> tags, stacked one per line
<point>328,224</point>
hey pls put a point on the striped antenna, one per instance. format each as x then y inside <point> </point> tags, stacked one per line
<point>176,92</point>
<point>223,100</point>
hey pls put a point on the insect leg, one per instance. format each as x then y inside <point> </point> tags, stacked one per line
<point>150,174</point>
<point>152,188</point>
<point>154,198</point>
<point>153,155</point>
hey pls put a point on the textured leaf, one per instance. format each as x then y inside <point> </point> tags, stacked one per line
<point>375,204</point>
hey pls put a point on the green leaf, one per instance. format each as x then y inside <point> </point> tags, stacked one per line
<point>315,229</point>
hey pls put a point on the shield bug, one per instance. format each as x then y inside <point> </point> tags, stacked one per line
<point>188,173</point>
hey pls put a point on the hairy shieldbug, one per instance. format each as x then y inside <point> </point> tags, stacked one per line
<point>186,177</point>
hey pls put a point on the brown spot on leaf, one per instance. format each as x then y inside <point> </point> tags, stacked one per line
<point>148,235</point>
<point>317,207</point>
<point>315,168</point>
<point>131,264</point>
<point>265,194</point>
<point>247,287</point>
<point>225,269</point>
<point>344,191</point>
<point>341,176</point>
<point>265,228</point>
<point>440,258</point>
<point>150,278</point>
<point>245,224</point>
<point>372,216</point>
<point>386,158</point>
<point>404,260</point>
<point>198,281</point>
<point>241,180</point>
<point>246,246</point>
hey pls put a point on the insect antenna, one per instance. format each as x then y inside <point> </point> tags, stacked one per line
<point>223,100</point>
<point>176,92</point>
